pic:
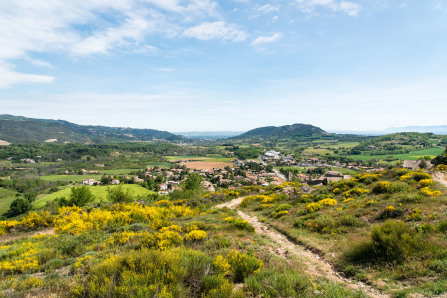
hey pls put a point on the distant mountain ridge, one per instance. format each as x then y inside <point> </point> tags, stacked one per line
<point>296,130</point>
<point>18,129</point>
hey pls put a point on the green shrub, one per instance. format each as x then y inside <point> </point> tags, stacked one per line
<point>54,264</point>
<point>153,273</point>
<point>271,283</point>
<point>283,207</point>
<point>394,241</point>
<point>351,221</point>
<point>442,226</point>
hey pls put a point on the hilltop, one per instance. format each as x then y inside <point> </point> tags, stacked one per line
<point>17,129</point>
<point>293,131</point>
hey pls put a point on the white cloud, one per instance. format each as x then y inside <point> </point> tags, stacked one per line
<point>266,8</point>
<point>216,30</point>
<point>86,28</point>
<point>9,77</point>
<point>266,39</point>
<point>38,62</point>
<point>350,8</point>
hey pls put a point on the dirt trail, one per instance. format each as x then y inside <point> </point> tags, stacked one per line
<point>316,265</point>
<point>441,178</point>
<point>7,238</point>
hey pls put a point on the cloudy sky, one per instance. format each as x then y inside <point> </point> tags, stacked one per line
<point>183,65</point>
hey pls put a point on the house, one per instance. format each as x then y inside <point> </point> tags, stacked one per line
<point>137,180</point>
<point>115,182</point>
<point>90,182</point>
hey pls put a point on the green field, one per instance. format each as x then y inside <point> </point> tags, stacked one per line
<point>432,152</point>
<point>70,178</point>
<point>118,171</point>
<point>343,145</point>
<point>176,157</point>
<point>6,198</point>
<point>160,164</point>
<point>100,192</point>
<point>209,158</point>
<point>312,151</point>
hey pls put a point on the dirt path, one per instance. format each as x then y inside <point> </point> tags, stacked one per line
<point>7,238</point>
<point>316,266</point>
<point>441,178</point>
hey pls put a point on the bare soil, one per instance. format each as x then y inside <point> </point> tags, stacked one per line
<point>12,237</point>
<point>206,165</point>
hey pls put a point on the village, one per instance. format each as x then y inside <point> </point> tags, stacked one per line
<point>241,173</point>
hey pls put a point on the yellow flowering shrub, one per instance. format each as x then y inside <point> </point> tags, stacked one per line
<point>6,225</point>
<point>83,261</point>
<point>196,235</point>
<point>367,178</point>
<point>381,187</point>
<point>175,228</point>
<point>390,208</point>
<point>221,265</point>
<point>426,191</point>
<point>328,202</point>
<point>442,168</point>
<point>22,258</point>
<point>313,207</point>
<point>27,284</point>
<point>243,265</point>
<point>416,215</point>
<point>263,199</point>
<point>426,182</point>
<point>37,219</point>
<point>356,192</point>
<point>415,175</point>
<point>75,221</point>
<point>348,200</point>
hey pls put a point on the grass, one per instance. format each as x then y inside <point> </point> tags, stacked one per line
<point>100,192</point>
<point>344,145</point>
<point>432,152</point>
<point>118,171</point>
<point>178,157</point>
<point>6,198</point>
<point>312,151</point>
<point>160,164</point>
<point>75,178</point>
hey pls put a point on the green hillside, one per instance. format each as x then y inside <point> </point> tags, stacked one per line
<point>100,192</point>
<point>16,129</point>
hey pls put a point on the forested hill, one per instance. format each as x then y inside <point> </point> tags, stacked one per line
<point>287,131</point>
<point>16,129</point>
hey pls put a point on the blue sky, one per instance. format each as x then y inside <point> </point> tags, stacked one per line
<point>200,65</point>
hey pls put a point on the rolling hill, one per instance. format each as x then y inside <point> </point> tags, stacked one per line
<point>287,131</point>
<point>17,129</point>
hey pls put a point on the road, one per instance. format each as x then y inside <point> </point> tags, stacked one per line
<point>278,174</point>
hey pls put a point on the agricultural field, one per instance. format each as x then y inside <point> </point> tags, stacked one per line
<point>100,193</point>
<point>70,178</point>
<point>432,152</point>
<point>204,165</point>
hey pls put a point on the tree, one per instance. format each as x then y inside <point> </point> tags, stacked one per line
<point>30,196</point>
<point>193,182</point>
<point>118,195</point>
<point>20,205</point>
<point>81,196</point>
